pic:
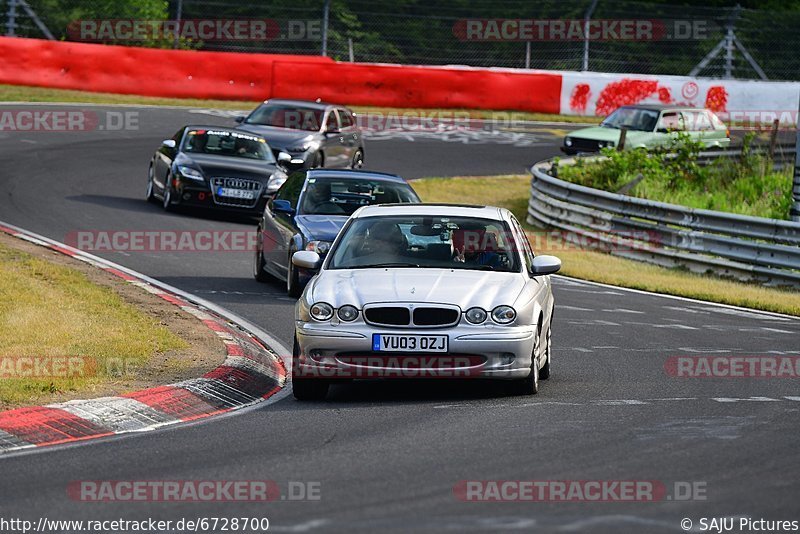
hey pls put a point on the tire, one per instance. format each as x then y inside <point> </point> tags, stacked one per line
<point>258,264</point>
<point>358,160</point>
<point>544,372</point>
<point>530,384</point>
<point>167,203</point>
<point>293,288</point>
<point>149,195</point>
<point>306,389</point>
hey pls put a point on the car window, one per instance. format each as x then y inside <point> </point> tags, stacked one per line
<point>672,121</point>
<point>343,196</point>
<point>332,122</point>
<point>347,118</point>
<point>697,121</point>
<point>178,136</point>
<point>228,144</point>
<point>290,190</point>
<point>426,241</point>
<point>286,116</point>
<point>527,252</point>
<point>632,119</point>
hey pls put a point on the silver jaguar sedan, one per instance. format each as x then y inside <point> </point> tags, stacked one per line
<point>425,290</point>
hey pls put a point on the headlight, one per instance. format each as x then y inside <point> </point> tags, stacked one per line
<point>320,247</point>
<point>567,141</point>
<point>321,311</point>
<point>191,173</point>
<point>275,181</point>
<point>310,145</point>
<point>347,313</point>
<point>475,315</point>
<point>503,314</point>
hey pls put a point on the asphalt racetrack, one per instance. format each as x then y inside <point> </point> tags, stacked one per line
<point>388,455</point>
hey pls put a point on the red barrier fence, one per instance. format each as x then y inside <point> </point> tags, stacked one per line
<point>223,75</point>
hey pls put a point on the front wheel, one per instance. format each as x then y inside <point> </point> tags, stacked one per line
<point>167,204</point>
<point>305,388</point>
<point>293,288</point>
<point>150,195</point>
<point>358,160</point>
<point>530,384</point>
<point>544,372</point>
<point>258,265</point>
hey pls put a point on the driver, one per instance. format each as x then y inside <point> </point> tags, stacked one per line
<point>318,200</point>
<point>385,243</point>
<point>484,253</point>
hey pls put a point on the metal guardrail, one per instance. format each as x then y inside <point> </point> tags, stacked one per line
<point>730,245</point>
<point>782,154</point>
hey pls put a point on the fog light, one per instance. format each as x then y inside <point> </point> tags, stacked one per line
<point>506,358</point>
<point>186,196</point>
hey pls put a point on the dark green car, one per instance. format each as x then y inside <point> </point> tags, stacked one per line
<point>649,126</point>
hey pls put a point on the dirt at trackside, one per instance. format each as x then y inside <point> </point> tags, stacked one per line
<point>205,350</point>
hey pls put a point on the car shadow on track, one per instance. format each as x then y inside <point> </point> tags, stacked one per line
<point>404,391</point>
<point>142,206</point>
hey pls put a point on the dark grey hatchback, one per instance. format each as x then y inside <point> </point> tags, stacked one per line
<point>319,133</point>
<point>307,213</point>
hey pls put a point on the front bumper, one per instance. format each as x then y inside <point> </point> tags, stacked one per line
<point>345,351</point>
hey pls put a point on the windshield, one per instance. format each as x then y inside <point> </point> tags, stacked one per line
<point>426,242</point>
<point>343,196</point>
<point>232,144</point>
<point>286,116</point>
<point>632,118</point>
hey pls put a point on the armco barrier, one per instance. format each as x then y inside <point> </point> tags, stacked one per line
<point>737,246</point>
<point>181,73</point>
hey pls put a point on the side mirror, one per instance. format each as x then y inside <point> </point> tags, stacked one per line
<point>282,206</point>
<point>306,259</point>
<point>289,163</point>
<point>168,143</point>
<point>545,265</point>
<point>240,119</point>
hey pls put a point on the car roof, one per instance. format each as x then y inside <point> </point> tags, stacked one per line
<point>664,107</point>
<point>221,128</point>
<point>453,210</point>
<point>353,173</point>
<point>303,103</point>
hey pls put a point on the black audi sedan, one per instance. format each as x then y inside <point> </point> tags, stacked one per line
<point>319,133</point>
<point>219,168</point>
<point>307,213</point>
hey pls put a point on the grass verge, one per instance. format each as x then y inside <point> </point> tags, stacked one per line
<point>17,93</point>
<point>54,315</point>
<point>512,192</point>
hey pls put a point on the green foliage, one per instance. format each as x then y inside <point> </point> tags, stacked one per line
<point>748,185</point>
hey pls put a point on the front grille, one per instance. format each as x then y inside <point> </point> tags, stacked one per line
<point>388,315</point>
<point>242,184</point>
<point>584,145</point>
<point>436,316</point>
<point>423,316</point>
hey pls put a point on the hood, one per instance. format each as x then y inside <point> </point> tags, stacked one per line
<point>321,227</point>
<point>430,286</point>
<point>599,133</point>
<point>229,166</point>
<point>279,138</point>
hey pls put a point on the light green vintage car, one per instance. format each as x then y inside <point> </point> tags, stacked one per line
<point>649,126</point>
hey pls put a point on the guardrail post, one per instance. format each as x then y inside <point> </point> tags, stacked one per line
<point>773,137</point>
<point>11,22</point>
<point>795,212</point>
<point>623,133</point>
